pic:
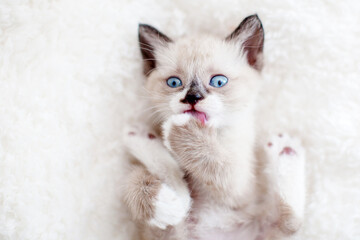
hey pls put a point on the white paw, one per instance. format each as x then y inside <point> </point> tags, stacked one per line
<point>170,208</point>
<point>287,158</point>
<point>139,131</point>
<point>136,137</point>
<point>286,155</point>
<point>141,142</point>
<point>177,120</point>
<point>283,146</point>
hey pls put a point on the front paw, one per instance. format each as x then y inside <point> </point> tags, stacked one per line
<point>170,207</point>
<point>285,152</point>
<point>183,131</point>
<point>287,156</point>
<point>168,127</point>
<point>140,140</point>
<point>282,145</point>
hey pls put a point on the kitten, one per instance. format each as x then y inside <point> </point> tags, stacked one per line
<point>195,173</point>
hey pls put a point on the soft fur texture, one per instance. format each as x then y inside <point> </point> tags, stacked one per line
<point>69,78</point>
<point>202,92</point>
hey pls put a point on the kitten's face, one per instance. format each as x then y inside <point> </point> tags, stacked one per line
<point>212,79</point>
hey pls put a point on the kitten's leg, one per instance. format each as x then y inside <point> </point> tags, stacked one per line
<point>140,191</point>
<point>195,147</point>
<point>155,191</point>
<point>206,160</point>
<point>287,160</point>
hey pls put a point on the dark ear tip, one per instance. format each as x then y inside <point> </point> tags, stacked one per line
<point>255,21</point>
<point>254,18</point>
<point>143,26</point>
<point>146,27</point>
<point>143,29</point>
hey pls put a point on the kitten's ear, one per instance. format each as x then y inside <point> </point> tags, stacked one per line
<point>149,40</point>
<point>250,34</point>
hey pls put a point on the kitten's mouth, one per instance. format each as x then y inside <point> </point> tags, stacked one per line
<point>201,116</point>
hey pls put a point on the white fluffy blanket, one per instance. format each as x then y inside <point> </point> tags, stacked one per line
<point>69,77</point>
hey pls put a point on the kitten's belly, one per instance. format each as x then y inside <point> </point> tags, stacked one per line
<point>211,222</point>
<point>238,233</point>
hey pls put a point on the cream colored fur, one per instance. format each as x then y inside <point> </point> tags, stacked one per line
<point>235,192</point>
<point>71,78</point>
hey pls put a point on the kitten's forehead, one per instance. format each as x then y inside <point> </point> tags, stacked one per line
<point>196,49</point>
<point>195,55</point>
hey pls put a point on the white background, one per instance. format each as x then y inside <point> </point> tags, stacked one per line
<point>70,74</point>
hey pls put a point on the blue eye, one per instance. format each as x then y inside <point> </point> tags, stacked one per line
<point>218,81</point>
<point>174,82</point>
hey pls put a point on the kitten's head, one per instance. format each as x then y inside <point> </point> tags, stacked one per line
<point>213,79</point>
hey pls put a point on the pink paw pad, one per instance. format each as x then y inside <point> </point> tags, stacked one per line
<point>151,136</point>
<point>131,133</point>
<point>288,151</point>
<point>269,144</point>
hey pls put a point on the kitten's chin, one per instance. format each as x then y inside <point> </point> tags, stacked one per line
<point>201,116</point>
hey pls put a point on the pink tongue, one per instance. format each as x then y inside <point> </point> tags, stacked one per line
<point>199,115</point>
